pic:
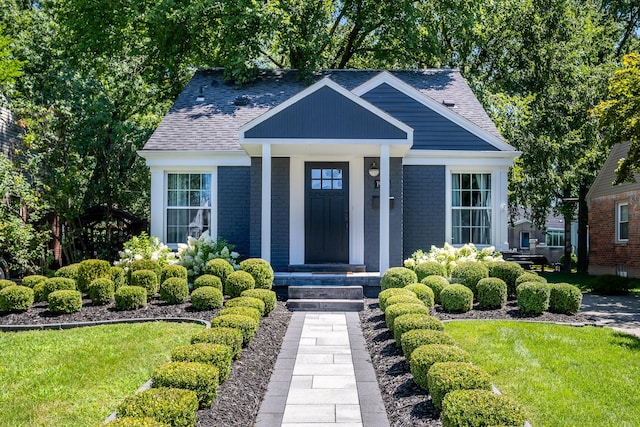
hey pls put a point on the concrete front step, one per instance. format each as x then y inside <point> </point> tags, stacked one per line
<point>325,292</point>
<point>325,304</point>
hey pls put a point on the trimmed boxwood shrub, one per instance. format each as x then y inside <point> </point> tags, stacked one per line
<point>254,313</point>
<point>39,293</point>
<point>174,406</point>
<point>5,283</point>
<point>237,282</point>
<point>533,297</point>
<point>207,298</point>
<point>31,281</point>
<point>423,292</point>
<point>219,267</point>
<point>92,269</point>
<point>260,270</point>
<point>16,298</point>
<point>101,291</point>
<point>564,298</point>
<point>208,280</point>
<point>146,279</point>
<point>445,377</point>
<point>388,293</point>
<point>415,338</point>
<point>492,293</point>
<point>174,290</point>
<point>397,277</point>
<point>135,422</point>
<point>430,268</point>
<point>508,271</point>
<point>251,302</point>
<point>130,297</point>
<point>529,277</point>
<point>407,322</point>
<point>245,324</point>
<point>397,310</point>
<point>436,284</point>
<point>65,301</point>
<point>456,299</point>
<point>227,336</point>
<point>58,284</point>
<point>218,355</point>
<point>199,377</point>
<point>145,264</point>
<point>69,271</point>
<point>267,296</point>
<point>480,408</point>
<point>118,277</point>
<point>403,299</point>
<point>173,270</point>
<point>469,273</point>
<point>423,357</point>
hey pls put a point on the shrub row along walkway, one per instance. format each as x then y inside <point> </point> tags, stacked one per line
<point>619,312</point>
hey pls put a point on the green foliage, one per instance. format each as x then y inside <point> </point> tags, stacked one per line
<point>267,296</point>
<point>396,310</point>
<point>237,282</point>
<point>449,256</point>
<point>135,422</point>
<point>408,322</point>
<point>251,302</point>
<point>92,269</point>
<point>245,324</point>
<point>174,290</point>
<point>174,406</point>
<point>5,283</point>
<point>69,271</point>
<point>437,284</point>
<point>219,267</point>
<point>456,299</point>
<point>208,280</point>
<point>260,270</point>
<point>39,292</point>
<point>254,313</point>
<point>564,298</point>
<point>221,335</point>
<point>57,284</point>
<point>480,408</point>
<point>574,261</point>
<point>146,279</point>
<point>529,277</point>
<point>218,355</point>
<point>173,270</point>
<point>118,277</point>
<point>492,293</point>
<point>16,298</point>
<point>609,284</point>
<point>130,297</point>
<point>533,297</point>
<point>469,274</point>
<point>415,338</point>
<point>10,66</point>
<point>206,298</point>
<point>144,246</point>
<point>423,292</point>
<point>445,377</point>
<point>144,264</point>
<point>398,299</point>
<point>65,301</point>
<point>423,357</point>
<point>430,268</point>
<point>509,272</point>
<point>101,291</point>
<point>397,277</point>
<point>199,377</point>
<point>383,296</point>
<point>31,281</point>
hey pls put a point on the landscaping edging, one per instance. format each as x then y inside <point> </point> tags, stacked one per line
<point>71,325</point>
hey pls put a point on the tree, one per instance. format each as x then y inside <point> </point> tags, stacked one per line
<point>10,67</point>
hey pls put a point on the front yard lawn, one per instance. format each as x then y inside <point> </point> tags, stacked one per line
<point>564,376</point>
<point>77,377</point>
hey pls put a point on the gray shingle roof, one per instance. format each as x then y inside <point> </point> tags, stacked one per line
<point>213,124</point>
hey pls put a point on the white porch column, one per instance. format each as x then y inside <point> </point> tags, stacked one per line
<point>157,203</point>
<point>265,249</point>
<point>384,208</point>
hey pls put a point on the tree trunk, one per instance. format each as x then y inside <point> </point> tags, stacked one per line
<point>583,223</point>
<point>567,242</point>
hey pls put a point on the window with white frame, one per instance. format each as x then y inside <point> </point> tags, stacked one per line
<point>188,205</point>
<point>471,208</point>
<point>622,222</point>
<point>555,237</point>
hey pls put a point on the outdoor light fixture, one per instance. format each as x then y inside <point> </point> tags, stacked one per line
<point>374,170</point>
<point>200,97</point>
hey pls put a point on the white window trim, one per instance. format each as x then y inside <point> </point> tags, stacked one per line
<point>546,234</point>
<point>618,222</point>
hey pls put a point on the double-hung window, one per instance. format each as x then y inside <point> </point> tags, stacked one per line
<point>188,205</point>
<point>471,208</point>
<point>622,222</point>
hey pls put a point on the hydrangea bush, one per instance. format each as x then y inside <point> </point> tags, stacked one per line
<point>196,252</point>
<point>145,247</point>
<point>450,256</point>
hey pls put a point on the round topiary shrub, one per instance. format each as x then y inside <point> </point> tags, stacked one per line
<point>207,298</point>
<point>415,338</point>
<point>508,271</point>
<point>238,282</point>
<point>146,279</point>
<point>564,298</point>
<point>397,277</point>
<point>260,270</point>
<point>145,264</point>
<point>219,267</point>
<point>227,336</point>
<point>398,310</point>
<point>423,292</point>
<point>199,377</point>
<point>101,291</point>
<point>16,298</point>
<point>31,281</point>
<point>5,283</point>
<point>254,313</point>
<point>130,297</point>
<point>445,377</point>
<point>469,408</point>
<point>173,270</point>
<point>267,296</point>
<point>69,271</point>
<point>388,293</point>
<point>39,293</point>
<point>529,277</point>
<point>218,355</point>
<point>402,299</point>
<point>245,324</point>
<point>65,301</point>
<point>251,302</point>
<point>174,406</point>
<point>92,269</point>
<point>208,280</point>
<point>118,277</point>
<point>425,356</point>
<point>436,284</point>
<point>533,297</point>
<point>135,422</point>
<point>430,268</point>
<point>408,322</point>
<point>174,290</point>
<point>492,293</point>
<point>58,284</point>
<point>469,273</point>
<point>456,299</point>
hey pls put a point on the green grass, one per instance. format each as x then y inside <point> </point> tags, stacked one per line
<point>563,375</point>
<point>77,377</point>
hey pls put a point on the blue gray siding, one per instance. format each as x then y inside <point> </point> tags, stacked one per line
<point>233,206</point>
<point>325,114</point>
<point>424,208</point>
<point>431,130</point>
<point>280,214</point>
<point>255,231</point>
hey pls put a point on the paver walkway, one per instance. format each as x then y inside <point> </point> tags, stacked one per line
<point>323,376</point>
<point>620,312</point>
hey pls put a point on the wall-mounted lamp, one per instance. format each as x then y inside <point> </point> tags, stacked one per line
<point>200,97</point>
<point>374,170</point>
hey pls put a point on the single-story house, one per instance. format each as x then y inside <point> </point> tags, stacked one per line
<point>614,221</point>
<point>358,168</point>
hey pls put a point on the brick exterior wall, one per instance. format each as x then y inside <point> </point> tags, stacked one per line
<point>233,206</point>
<point>604,252</point>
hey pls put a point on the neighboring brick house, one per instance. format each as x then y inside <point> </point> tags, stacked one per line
<point>614,221</point>
<point>295,174</point>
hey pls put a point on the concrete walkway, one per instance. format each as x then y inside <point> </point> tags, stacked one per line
<point>620,312</point>
<point>323,376</point>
